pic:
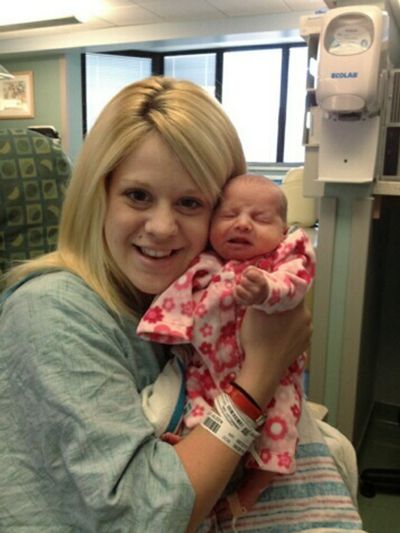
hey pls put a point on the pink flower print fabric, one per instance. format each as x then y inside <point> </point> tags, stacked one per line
<point>199,308</point>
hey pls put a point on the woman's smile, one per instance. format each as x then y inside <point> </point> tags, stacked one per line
<point>154,253</point>
<point>157,218</point>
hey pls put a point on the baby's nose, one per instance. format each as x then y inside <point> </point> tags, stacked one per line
<point>243,223</point>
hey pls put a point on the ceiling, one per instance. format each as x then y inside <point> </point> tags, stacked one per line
<point>159,25</point>
<point>121,13</point>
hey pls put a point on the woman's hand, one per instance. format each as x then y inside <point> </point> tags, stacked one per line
<point>271,343</point>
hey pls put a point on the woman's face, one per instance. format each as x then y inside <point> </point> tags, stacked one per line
<point>157,218</point>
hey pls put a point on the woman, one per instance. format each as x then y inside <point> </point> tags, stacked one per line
<point>77,452</point>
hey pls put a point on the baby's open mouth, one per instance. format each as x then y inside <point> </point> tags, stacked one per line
<point>238,240</point>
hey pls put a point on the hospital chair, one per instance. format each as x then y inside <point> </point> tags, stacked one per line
<point>302,210</point>
<point>33,175</point>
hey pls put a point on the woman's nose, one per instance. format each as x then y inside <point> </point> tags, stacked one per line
<point>162,222</point>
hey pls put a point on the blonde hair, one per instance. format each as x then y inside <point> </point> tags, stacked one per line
<point>189,121</point>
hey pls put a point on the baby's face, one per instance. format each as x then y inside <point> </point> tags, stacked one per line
<point>247,222</point>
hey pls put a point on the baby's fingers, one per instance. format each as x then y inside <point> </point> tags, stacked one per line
<point>242,295</point>
<point>252,275</point>
<point>255,285</point>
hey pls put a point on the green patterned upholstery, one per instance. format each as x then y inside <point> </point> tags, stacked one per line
<point>33,176</point>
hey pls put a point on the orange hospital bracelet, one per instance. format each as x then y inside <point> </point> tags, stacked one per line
<point>245,403</point>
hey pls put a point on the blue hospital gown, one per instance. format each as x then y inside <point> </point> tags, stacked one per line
<point>76,451</point>
<point>78,455</point>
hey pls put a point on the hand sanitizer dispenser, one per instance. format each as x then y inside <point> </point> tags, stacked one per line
<point>349,66</point>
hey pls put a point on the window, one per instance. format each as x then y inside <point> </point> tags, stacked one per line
<point>293,149</point>
<point>105,75</point>
<point>263,91</point>
<point>262,88</point>
<point>198,68</point>
<point>251,97</point>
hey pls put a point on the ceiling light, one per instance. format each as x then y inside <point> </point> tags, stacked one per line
<point>26,11</point>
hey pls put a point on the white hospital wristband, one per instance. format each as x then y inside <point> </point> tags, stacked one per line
<point>227,433</point>
<point>228,410</point>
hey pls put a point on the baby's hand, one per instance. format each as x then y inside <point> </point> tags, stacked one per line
<point>252,288</point>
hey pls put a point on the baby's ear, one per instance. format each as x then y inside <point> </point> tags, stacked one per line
<point>285,230</point>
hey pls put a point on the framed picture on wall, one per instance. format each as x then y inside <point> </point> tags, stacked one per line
<point>16,96</point>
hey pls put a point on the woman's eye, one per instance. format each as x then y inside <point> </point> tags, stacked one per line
<point>190,203</point>
<point>139,196</point>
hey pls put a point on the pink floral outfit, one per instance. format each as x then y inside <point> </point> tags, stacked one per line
<point>199,308</point>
